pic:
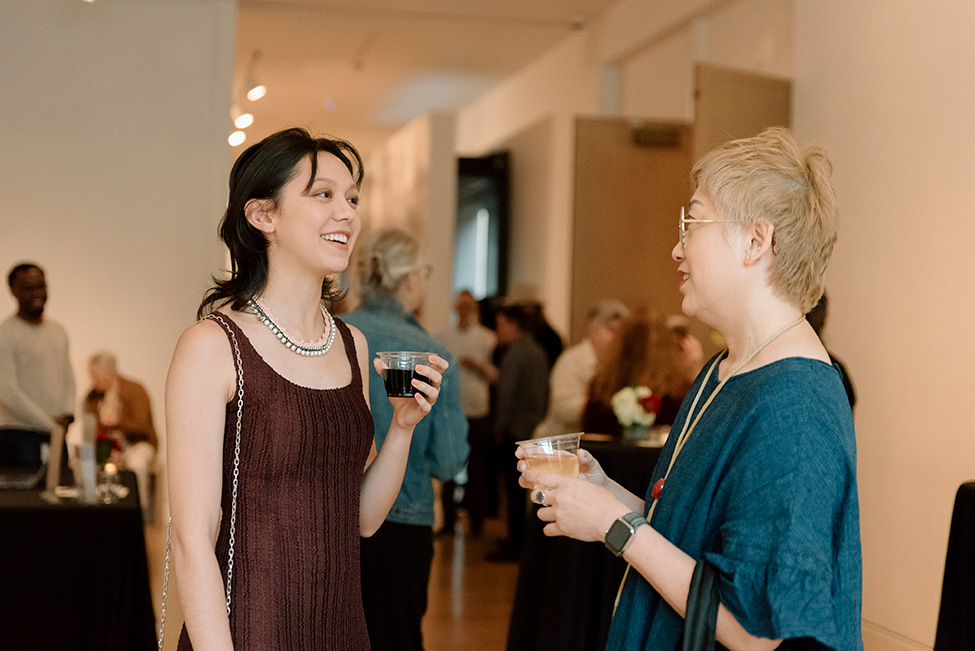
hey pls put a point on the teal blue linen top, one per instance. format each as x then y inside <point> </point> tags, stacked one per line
<point>439,447</point>
<point>765,490</point>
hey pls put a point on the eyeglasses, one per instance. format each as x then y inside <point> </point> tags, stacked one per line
<point>682,224</point>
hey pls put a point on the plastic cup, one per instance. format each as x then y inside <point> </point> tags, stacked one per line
<point>555,454</point>
<point>399,369</point>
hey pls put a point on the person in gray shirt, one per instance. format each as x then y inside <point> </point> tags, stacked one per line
<point>37,387</point>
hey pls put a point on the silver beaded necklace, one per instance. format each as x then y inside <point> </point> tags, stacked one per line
<point>284,338</point>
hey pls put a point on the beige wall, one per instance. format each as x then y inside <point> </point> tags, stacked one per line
<point>888,86</point>
<point>411,183</point>
<point>113,167</point>
<point>654,46</point>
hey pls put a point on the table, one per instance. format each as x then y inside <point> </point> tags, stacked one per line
<point>566,589</point>
<point>956,620</point>
<point>74,576</point>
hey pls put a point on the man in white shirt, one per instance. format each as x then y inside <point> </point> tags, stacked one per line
<point>36,381</point>
<point>473,345</point>
<point>574,369</point>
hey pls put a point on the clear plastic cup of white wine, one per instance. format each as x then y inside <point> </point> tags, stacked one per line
<point>554,454</point>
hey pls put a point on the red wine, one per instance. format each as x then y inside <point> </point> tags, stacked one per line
<point>398,382</point>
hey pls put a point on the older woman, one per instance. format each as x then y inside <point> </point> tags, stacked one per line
<point>396,561</point>
<point>756,486</point>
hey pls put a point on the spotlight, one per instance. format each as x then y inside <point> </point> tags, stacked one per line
<point>237,138</point>
<point>241,120</point>
<point>255,89</point>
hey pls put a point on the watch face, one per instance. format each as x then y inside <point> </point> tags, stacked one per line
<point>617,536</point>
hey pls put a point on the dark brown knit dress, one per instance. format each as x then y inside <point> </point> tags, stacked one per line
<point>296,550</point>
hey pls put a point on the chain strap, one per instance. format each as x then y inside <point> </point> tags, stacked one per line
<point>162,612</point>
<point>240,416</point>
<point>233,503</point>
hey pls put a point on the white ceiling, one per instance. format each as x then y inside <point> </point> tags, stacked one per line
<point>382,63</point>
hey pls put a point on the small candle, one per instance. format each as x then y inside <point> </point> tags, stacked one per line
<point>110,469</point>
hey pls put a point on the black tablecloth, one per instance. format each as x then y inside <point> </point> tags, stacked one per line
<point>956,621</point>
<point>74,576</point>
<point>566,588</point>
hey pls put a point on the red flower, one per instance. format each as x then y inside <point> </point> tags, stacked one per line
<point>650,404</point>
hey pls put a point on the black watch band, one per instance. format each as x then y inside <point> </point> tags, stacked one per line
<point>620,534</point>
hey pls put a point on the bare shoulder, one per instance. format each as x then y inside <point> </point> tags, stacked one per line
<point>361,345</point>
<point>204,351</point>
<point>204,338</point>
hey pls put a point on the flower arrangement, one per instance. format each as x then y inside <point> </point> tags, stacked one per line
<point>635,406</point>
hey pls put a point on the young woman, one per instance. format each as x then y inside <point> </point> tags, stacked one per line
<point>289,481</point>
<point>756,485</point>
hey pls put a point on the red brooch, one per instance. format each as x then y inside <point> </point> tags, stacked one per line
<point>659,486</point>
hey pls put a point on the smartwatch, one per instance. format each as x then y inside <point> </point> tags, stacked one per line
<point>620,534</point>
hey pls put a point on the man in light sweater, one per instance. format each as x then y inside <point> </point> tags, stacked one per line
<point>37,389</point>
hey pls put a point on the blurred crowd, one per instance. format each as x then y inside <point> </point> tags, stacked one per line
<point>521,379</point>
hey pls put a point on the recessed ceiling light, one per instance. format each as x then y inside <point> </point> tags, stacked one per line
<point>236,138</point>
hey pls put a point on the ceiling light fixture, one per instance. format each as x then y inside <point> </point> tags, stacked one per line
<point>241,120</point>
<point>255,89</point>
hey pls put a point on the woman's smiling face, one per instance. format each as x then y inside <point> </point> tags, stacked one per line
<point>318,226</point>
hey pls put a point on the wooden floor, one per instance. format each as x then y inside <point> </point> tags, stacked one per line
<point>469,599</point>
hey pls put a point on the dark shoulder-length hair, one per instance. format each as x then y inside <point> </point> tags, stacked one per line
<point>260,172</point>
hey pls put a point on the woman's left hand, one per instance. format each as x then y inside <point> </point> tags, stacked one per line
<point>407,412</point>
<point>575,507</point>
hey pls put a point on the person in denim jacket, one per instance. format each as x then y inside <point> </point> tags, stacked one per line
<point>396,560</point>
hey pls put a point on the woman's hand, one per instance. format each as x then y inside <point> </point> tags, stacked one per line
<point>590,470</point>
<point>407,412</point>
<point>574,507</point>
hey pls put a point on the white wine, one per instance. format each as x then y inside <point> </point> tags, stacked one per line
<point>560,463</point>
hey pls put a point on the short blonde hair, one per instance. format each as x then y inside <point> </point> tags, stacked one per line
<point>385,259</point>
<point>770,177</point>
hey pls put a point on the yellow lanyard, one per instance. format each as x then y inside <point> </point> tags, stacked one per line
<point>689,426</point>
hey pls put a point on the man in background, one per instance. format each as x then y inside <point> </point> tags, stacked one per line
<point>522,397</point>
<point>575,367</point>
<point>37,389</point>
<point>124,418</point>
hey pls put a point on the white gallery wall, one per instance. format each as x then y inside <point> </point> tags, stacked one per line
<point>113,167</point>
<point>651,47</point>
<point>410,182</point>
<point>889,86</point>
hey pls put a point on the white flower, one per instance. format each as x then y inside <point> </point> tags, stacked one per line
<point>631,406</point>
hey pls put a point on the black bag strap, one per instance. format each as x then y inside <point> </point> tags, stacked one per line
<point>702,609</point>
